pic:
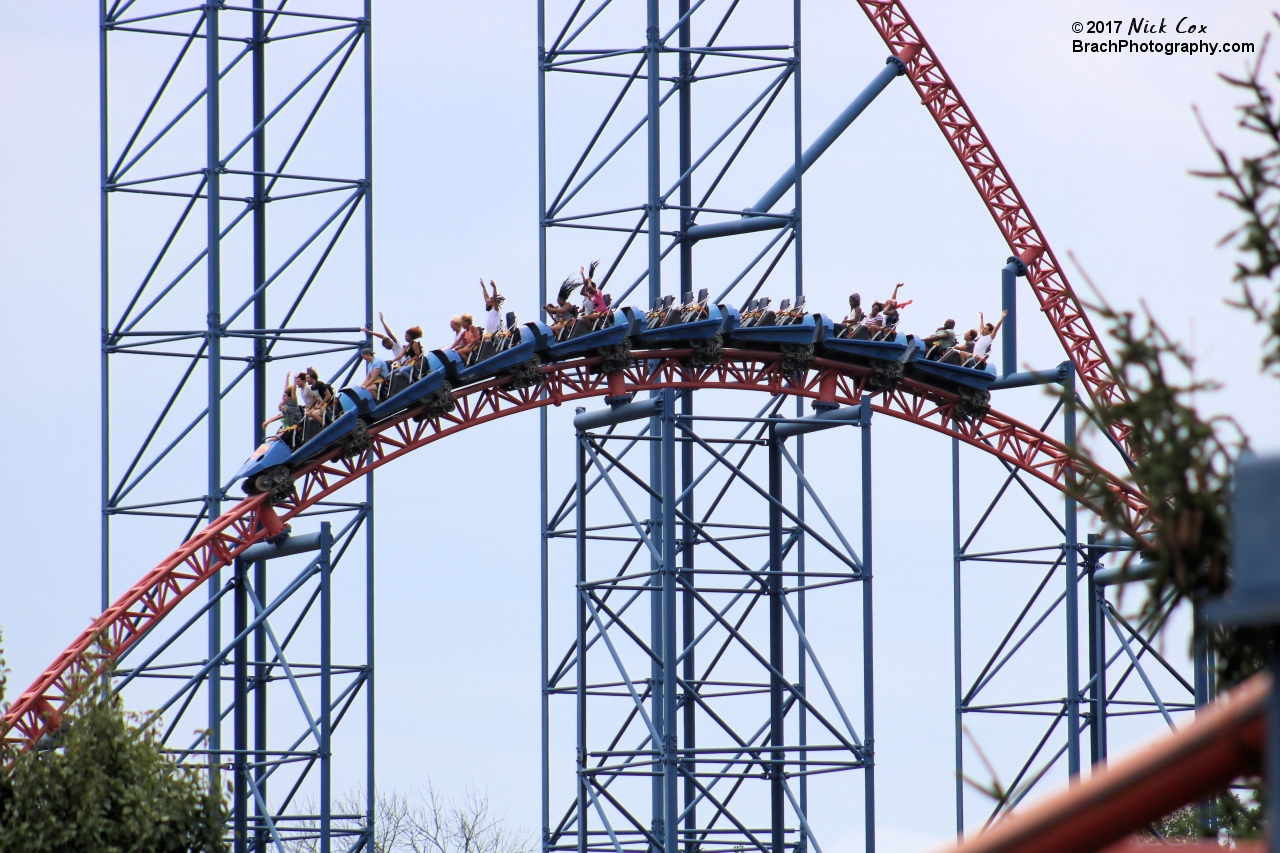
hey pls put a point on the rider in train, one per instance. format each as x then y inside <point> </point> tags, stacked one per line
<point>402,352</point>
<point>376,371</point>
<point>987,335</point>
<point>941,341</point>
<point>492,308</point>
<point>563,312</point>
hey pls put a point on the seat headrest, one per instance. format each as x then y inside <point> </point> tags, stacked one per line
<point>667,300</point>
<point>702,295</point>
<point>608,299</point>
<point>657,303</point>
<point>511,319</point>
<point>763,303</point>
<point>752,303</point>
<point>687,296</point>
<point>784,305</point>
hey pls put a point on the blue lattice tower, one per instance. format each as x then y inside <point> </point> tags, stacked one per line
<point>1029,589</point>
<point>236,247</point>
<point>695,218</point>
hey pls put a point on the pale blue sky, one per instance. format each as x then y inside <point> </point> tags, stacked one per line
<point>1100,147</point>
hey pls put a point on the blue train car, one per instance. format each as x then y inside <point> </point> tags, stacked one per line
<point>900,350</point>
<point>669,324</point>
<point>793,331</point>
<point>269,465</point>
<point>977,378</point>
<point>809,330</point>
<point>971,383</point>
<point>887,359</point>
<point>610,336</point>
<point>409,385</point>
<point>514,350</point>
<point>694,323</point>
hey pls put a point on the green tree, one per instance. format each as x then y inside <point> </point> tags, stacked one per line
<point>105,786</point>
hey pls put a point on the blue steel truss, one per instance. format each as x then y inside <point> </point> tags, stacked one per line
<point>1036,600</point>
<point>236,240</point>
<point>707,719</point>
<point>618,87</point>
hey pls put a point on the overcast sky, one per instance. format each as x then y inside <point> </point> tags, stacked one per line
<point>1100,146</point>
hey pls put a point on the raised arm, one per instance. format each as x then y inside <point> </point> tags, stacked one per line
<point>391,339</point>
<point>390,334</point>
<point>896,288</point>
<point>999,323</point>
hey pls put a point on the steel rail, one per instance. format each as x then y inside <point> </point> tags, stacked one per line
<point>1058,301</point>
<point>39,709</point>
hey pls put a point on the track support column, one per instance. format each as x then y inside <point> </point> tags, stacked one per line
<point>688,634</point>
<point>580,550</point>
<point>1097,658</point>
<point>956,633</point>
<point>777,723</point>
<point>868,637</point>
<point>1071,562</point>
<point>240,784</point>
<point>326,685</point>
<point>213,341</point>
<point>670,747</point>
<point>1009,299</point>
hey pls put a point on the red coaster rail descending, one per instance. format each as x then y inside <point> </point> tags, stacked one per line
<point>1014,219</point>
<point>40,707</point>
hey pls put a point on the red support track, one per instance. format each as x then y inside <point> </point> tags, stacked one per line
<point>40,707</point>
<point>981,162</point>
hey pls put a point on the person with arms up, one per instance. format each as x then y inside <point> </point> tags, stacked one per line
<point>492,308</point>
<point>987,336</point>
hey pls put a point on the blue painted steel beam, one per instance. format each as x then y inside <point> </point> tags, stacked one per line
<point>868,651</point>
<point>859,416</point>
<point>753,218</point>
<point>1009,300</point>
<point>1033,377</point>
<point>670,651</point>
<point>214,331</point>
<point>1125,574</point>
<point>893,68</point>
<point>777,720</point>
<point>585,421</point>
<point>290,545</point>
<point>1073,585</point>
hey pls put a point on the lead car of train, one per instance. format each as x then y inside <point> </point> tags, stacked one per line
<point>519,352</point>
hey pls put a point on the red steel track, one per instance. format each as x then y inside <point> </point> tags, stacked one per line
<point>981,162</point>
<point>41,706</point>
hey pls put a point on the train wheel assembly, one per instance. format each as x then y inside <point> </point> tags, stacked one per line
<point>357,441</point>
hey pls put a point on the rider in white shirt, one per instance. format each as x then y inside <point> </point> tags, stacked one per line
<point>493,308</point>
<point>987,335</point>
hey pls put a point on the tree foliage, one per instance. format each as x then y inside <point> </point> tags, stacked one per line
<point>1252,186</point>
<point>427,821</point>
<point>1182,463</point>
<point>104,786</point>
